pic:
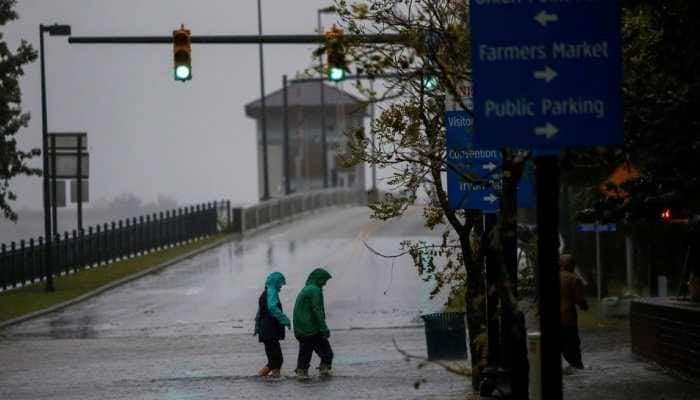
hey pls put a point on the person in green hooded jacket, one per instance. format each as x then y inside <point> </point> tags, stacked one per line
<point>270,322</point>
<point>310,327</point>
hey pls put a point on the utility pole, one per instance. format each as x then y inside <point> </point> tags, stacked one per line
<point>324,145</point>
<point>263,118</point>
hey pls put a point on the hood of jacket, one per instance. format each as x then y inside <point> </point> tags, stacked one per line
<point>318,277</point>
<point>275,280</point>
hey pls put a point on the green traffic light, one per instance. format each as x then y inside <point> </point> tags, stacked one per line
<point>430,82</point>
<point>182,73</point>
<point>336,74</point>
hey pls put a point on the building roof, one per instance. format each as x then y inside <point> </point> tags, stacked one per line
<point>307,94</point>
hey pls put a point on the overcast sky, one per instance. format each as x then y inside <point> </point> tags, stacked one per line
<point>148,134</point>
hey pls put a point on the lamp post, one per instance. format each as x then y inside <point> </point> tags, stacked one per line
<point>53,30</point>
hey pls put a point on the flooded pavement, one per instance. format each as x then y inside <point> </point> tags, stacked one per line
<point>614,372</point>
<point>186,332</point>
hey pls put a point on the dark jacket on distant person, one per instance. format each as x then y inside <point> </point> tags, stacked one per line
<point>571,296</point>
<point>270,319</point>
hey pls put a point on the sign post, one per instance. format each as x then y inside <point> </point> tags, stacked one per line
<point>547,75</point>
<point>69,160</point>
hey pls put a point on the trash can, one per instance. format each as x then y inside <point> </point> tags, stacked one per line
<point>445,335</point>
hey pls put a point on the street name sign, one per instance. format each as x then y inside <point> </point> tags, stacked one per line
<point>596,228</point>
<point>547,73</point>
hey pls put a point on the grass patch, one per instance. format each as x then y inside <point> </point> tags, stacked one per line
<point>28,299</point>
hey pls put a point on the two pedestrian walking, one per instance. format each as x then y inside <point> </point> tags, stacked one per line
<point>310,327</point>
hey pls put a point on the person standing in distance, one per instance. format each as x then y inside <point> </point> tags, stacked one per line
<point>270,322</point>
<point>571,296</point>
<point>310,327</point>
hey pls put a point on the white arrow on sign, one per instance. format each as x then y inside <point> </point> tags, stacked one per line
<point>548,130</point>
<point>544,18</point>
<point>489,167</point>
<point>547,74</point>
<point>491,198</point>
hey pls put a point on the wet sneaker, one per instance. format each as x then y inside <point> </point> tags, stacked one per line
<point>324,371</point>
<point>275,373</point>
<point>302,374</point>
<point>264,371</point>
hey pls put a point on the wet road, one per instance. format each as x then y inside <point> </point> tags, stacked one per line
<point>185,332</point>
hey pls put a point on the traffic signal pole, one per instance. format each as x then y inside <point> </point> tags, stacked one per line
<point>233,39</point>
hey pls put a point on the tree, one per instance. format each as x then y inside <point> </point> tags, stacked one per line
<point>12,119</point>
<point>661,89</point>
<point>434,46</point>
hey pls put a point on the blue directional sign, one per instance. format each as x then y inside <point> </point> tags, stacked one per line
<point>547,74</point>
<point>480,164</point>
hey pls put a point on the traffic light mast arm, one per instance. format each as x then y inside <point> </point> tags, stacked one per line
<point>234,39</point>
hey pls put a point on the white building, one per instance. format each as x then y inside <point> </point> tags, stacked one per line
<point>342,113</point>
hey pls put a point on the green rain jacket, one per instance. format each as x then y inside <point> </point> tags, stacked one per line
<point>309,314</point>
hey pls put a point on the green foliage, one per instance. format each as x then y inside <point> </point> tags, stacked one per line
<point>12,119</point>
<point>661,89</point>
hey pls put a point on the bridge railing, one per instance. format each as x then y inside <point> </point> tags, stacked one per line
<point>274,211</point>
<point>23,263</point>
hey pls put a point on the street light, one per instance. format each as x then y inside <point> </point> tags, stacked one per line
<point>53,30</point>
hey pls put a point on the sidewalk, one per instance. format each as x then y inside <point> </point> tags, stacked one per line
<point>614,372</point>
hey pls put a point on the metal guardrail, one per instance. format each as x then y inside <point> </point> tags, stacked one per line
<point>267,213</point>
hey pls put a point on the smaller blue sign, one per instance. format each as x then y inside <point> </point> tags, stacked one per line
<point>480,165</point>
<point>596,228</point>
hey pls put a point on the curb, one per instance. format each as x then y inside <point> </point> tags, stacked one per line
<point>112,285</point>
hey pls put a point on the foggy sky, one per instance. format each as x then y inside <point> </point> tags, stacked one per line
<point>148,134</point>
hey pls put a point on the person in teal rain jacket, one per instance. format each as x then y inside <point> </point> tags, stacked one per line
<point>310,327</point>
<point>270,322</point>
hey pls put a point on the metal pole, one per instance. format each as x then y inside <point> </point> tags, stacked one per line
<point>263,119</point>
<point>599,278</point>
<point>234,39</point>
<point>285,128</point>
<point>324,161</point>
<point>54,207</point>
<point>629,258</point>
<point>547,180</point>
<point>45,162</point>
<point>79,183</point>
<point>371,122</point>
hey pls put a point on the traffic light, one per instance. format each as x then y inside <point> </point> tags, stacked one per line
<point>430,82</point>
<point>666,214</point>
<point>182,54</point>
<point>335,53</point>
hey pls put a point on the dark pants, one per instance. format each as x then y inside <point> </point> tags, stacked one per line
<point>571,346</point>
<point>310,344</point>
<point>273,351</point>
